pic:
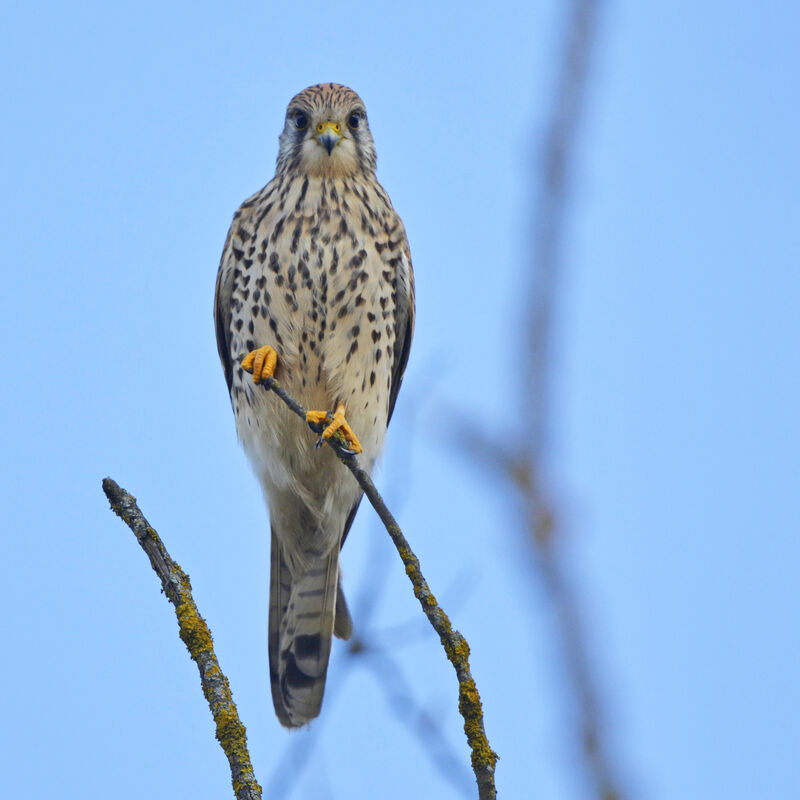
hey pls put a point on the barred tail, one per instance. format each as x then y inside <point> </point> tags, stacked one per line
<point>303,614</point>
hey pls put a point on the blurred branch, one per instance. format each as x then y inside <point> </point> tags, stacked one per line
<point>556,159</point>
<point>525,467</point>
<point>455,645</point>
<point>528,470</point>
<point>196,636</point>
<point>424,725</point>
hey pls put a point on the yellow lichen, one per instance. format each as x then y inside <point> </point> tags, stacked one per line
<point>230,731</point>
<point>193,629</point>
<point>469,704</point>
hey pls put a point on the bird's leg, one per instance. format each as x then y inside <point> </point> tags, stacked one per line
<point>261,363</point>
<point>339,424</point>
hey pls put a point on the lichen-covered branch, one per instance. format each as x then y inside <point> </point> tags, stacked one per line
<point>196,636</point>
<point>455,645</point>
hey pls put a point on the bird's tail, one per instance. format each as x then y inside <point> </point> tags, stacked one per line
<point>304,613</point>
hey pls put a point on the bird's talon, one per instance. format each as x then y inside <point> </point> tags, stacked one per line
<point>261,363</point>
<point>348,441</point>
<point>317,420</point>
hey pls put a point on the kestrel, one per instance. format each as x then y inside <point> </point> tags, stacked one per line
<point>316,287</point>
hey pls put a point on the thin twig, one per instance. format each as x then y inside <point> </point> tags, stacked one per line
<point>196,636</point>
<point>455,645</point>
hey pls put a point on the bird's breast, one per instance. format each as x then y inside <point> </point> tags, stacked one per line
<point>320,285</point>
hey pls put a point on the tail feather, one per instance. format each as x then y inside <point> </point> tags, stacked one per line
<point>343,622</point>
<point>302,611</point>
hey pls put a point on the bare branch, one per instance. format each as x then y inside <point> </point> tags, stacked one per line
<point>194,632</point>
<point>455,645</point>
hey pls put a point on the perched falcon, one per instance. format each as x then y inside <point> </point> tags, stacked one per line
<point>315,286</point>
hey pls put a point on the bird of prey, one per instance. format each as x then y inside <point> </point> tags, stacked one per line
<point>315,287</point>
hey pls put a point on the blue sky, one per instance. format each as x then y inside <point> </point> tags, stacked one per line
<point>132,132</point>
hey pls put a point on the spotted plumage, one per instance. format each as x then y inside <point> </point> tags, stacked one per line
<point>316,265</point>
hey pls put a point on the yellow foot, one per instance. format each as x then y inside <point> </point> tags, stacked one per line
<point>339,425</point>
<point>261,363</point>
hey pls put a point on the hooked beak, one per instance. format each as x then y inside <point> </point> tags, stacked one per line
<point>329,134</point>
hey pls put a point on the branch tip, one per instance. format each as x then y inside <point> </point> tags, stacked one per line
<point>195,634</point>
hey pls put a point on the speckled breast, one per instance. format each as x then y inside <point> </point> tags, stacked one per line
<point>320,261</point>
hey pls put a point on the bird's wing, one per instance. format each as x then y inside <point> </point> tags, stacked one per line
<point>404,331</point>
<point>222,308</point>
<point>403,325</point>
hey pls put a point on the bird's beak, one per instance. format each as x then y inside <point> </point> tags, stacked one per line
<point>329,134</point>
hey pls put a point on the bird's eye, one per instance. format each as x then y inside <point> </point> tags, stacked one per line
<point>300,120</point>
<point>354,120</point>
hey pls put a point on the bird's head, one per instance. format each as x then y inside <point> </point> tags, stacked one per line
<point>326,133</point>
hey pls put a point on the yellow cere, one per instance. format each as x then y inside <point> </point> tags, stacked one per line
<point>328,126</point>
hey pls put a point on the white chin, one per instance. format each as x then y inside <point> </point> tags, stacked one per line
<point>341,161</point>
